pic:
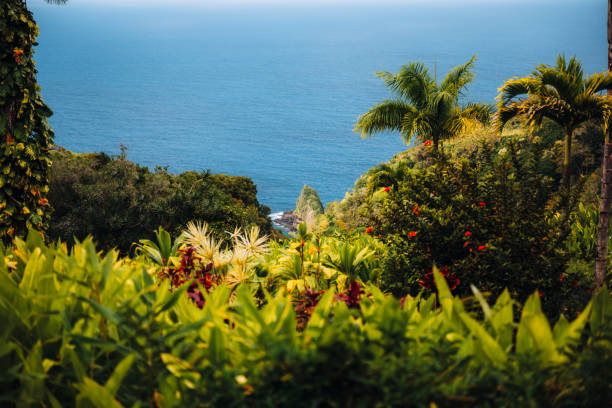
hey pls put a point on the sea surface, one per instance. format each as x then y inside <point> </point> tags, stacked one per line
<point>272,92</point>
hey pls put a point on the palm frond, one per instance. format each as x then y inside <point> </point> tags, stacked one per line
<point>413,83</point>
<point>481,112</point>
<point>592,107</point>
<point>560,84</point>
<point>385,116</point>
<point>442,103</point>
<point>468,119</point>
<point>574,68</point>
<point>458,78</point>
<point>515,87</point>
<point>598,82</point>
<point>506,113</point>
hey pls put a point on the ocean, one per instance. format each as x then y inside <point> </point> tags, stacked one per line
<point>272,92</point>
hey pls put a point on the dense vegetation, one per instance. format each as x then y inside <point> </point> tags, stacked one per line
<point>25,135</point>
<point>202,308</point>
<point>119,202</point>
<point>89,330</point>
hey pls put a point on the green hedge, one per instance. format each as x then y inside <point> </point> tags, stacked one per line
<point>89,330</point>
<point>119,202</point>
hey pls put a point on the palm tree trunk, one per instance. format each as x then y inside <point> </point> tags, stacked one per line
<point>567,162</point>
<point>605,199</point>
<point>605,202</point>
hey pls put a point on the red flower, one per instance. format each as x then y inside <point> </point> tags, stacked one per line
<point>561,277</point>
<point>540,294</point>
<point>468,234</point>
<point>369,229</point>
<point>466,243</point>
<point>575,284</point>
<point>428,143</point>
<point>481,247</point>
<point>412,234</point>
<point>387,189</point>
<point>415,209</point>
<point>482,204</point>
<point>17,54</point>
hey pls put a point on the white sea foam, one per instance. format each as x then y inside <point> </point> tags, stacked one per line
<point>276,216</point>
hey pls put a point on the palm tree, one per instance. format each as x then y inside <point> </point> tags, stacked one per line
<point>423,107</point>
<point>561,94</point>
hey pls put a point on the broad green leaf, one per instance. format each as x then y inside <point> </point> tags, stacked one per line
<point>444,294</point>
<point>107,313</point>
<point>483,303</point>
<point>181,369</point>
<point>172,299</point>
<point>92,393</point>
<point>534,334</point>
<point>490,347</point>
<point>572,332</point>
<point>119,373</point>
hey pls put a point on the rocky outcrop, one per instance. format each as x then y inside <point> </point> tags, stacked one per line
<point>288,220</point>
<point>308,204</point>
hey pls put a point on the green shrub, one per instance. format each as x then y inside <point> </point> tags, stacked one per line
<point>119,202</point>
<point>491,222</point>
<point>84,329</point>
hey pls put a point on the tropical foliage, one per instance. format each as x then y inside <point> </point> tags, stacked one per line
<point>492,221</point>
<point>353,310</point>
<point>85,329</point>
<point>119,202</point>
<point>424,108</point>
<point>25,135</point>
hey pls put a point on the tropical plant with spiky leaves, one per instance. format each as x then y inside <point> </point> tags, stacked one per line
<point>424,108</point>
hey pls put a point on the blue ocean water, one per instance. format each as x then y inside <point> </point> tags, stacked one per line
<point>272,92</point>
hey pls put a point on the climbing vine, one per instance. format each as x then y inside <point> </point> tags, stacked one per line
<point>25,135</point>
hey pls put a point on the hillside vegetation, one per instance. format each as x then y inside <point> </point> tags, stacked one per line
<point>119,202</point>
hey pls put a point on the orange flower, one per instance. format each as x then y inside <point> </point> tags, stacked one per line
<point>17,54</point>
<point>387,189</point>
<point>466,243</point>
<point>369,229</point>
<point>412,234</point>
<point>43,201</point>
<point>428,143</point>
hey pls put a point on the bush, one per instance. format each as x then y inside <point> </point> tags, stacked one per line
<point>86,329</point>
<point>119,202</point>
<point>491,222</point>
